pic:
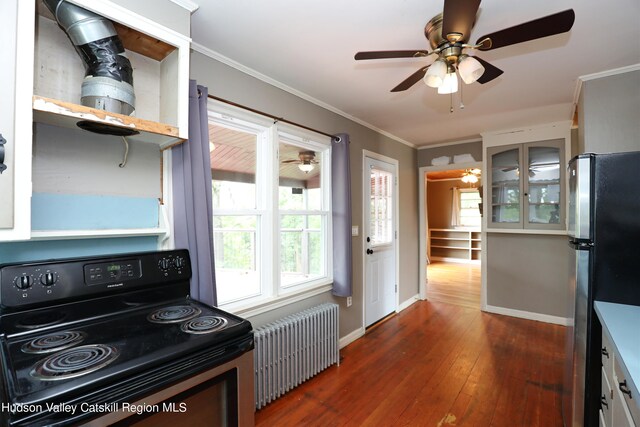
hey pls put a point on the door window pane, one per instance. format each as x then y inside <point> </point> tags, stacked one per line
<point>505,186</point>
<point>544,185</point>
<point>381,208</point>
<point>235,251</point>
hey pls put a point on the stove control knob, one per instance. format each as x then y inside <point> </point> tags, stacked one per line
<point>164,264</point>
<point>49,279</point>
<point>23,282</point>
<point>179,262</point>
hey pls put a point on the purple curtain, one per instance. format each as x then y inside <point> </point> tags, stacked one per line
<point>192,204</point>
<point>341,215</point>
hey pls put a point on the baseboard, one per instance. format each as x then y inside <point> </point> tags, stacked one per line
<point>406,304</point>
<point>547,318</point>
<point>351,337</point>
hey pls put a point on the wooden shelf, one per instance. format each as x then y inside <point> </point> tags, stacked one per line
<point>90,234</point>
<point>460,245</point>
<point>66,114</point>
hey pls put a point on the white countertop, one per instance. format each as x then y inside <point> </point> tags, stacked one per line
<point>622,323</point>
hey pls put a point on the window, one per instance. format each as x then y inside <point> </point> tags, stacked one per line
<point>381,209</point>
<point>271,208</point>
<point>469,209</point>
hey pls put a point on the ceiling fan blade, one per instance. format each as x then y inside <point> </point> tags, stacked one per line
<point>290,161</point>
<point>458,17</point>
<point>557,23</point>
<point>411,80</point>
<point>490,72</point>
<point>382,54</point>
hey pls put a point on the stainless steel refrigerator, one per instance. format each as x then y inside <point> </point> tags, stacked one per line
<point>604,238</point>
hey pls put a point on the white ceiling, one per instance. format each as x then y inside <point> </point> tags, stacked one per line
<point>308,46</point>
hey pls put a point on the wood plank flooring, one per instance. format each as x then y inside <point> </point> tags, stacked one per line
<point>454,283</point>
<point>438,365</point>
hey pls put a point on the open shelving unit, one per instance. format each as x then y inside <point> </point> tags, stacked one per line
<point>457,245</point>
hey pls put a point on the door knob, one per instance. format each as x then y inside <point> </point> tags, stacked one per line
<point>369,251</point>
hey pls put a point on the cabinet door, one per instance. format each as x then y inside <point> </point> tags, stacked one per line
<point>8,9</point>
<point>505,186</point>
<point>544,188</point>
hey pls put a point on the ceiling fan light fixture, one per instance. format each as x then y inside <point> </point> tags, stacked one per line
<point>450,84</point>
<point>470,69</point>
<point>306,167</point>
<point>436,73</point>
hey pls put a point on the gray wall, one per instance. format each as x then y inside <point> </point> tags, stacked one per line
<point>426,155</point>
<point>528,273</point>
<point>609,114</point>
<point>233,85</point>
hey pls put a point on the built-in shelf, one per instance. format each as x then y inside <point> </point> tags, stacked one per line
<point>66,114</point>
<point>90,234</point>
<point>459,245</point>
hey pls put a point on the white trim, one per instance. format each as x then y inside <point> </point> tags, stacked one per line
<point>90,234</point>
<point>607,73</point>
<point>543,132</point>
<point>447,144</point>
<point>187,4</point>
<point>396,207</point>
<point>253,73</point>
<point>408,303</point>
<point>422,213</point>
<point>526,231</point>
<point>277,302</point>
<point>351,337</point>
<point>529,315</point>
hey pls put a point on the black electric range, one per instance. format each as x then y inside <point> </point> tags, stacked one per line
<point>92,332</point>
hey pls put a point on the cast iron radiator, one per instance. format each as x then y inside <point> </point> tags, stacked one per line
<point>293,349</point>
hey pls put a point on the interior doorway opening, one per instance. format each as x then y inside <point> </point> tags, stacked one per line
<point>452,217</point>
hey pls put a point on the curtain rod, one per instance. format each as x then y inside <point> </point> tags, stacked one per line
<point>271,116</point>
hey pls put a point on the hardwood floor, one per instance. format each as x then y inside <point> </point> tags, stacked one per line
<point>437,365</point>
<point>454,283</point>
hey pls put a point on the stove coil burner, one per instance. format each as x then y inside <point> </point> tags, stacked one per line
<point>53,342</point>
<point>74,362</point>
<point>174,314</point>
<point>204,325</point>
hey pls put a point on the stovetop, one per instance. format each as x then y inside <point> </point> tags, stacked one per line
<point>136,342</point>
<point>72,336</point>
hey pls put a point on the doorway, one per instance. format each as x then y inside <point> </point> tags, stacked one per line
<point>380,189</point>
<point>450,239</point>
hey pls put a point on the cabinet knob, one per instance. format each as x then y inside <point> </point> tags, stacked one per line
<point>624,388</point>
<point>2,165</point>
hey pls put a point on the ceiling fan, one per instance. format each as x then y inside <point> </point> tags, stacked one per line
<point>306,161</point>
<point>449,35</point>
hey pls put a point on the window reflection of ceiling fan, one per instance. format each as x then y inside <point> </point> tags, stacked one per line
<point>534,168</point>
<point>449,36</point>
<point>306,161</point>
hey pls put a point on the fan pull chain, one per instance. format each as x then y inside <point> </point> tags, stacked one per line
<point>451,103</point>
<point>460,85</point>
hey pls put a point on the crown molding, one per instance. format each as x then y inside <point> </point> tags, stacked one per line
<point>446,144</point>
<point>187,4</point>
<point>253,73</point>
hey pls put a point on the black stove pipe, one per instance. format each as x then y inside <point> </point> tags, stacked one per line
<point>108,82</point>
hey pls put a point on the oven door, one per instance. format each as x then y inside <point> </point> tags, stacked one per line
<point>221,396</point>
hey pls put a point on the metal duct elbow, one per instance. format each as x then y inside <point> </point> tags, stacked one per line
<point>108,81</point>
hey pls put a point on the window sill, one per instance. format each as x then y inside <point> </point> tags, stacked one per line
<point>274,303</point>
<point>527,231</point>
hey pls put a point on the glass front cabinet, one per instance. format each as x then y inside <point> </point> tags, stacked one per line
<point>526,185</point>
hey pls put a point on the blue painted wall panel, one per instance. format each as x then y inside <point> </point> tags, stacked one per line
<point>89,212</point>
<point>50,249</point>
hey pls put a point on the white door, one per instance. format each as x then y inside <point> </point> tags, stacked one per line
<point>380,187</point>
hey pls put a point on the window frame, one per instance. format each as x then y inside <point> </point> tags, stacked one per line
<point>268,233</point>
<point>469,190</point>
